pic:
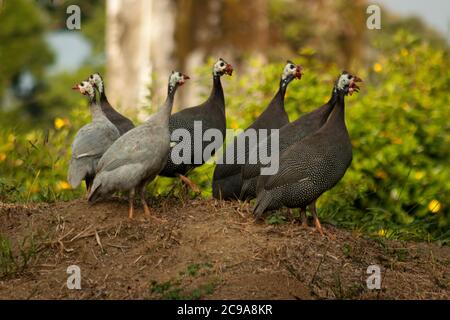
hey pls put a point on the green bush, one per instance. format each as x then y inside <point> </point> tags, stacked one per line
<point>397,186</point>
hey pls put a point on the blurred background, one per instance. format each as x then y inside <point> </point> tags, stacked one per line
<point>399,183</point>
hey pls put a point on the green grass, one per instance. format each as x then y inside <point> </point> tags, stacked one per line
<point>12,263</point>
<point>179,288</point>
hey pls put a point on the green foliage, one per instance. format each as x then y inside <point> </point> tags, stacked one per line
<point>276,219</point>
<point>21,38</point>
<point>181,287</point>
<point>12,262</point>
<point>33,163</point>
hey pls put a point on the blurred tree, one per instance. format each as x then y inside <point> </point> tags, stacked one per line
<point>165,34</point>
<point>139,43</point>
<point>23,49</point>
<point>26,56</point>
<point>334,30</point>
<point>92,18</point>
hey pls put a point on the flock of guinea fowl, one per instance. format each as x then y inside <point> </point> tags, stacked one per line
<point>111,154</point>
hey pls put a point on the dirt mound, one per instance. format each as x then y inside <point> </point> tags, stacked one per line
<point>205,249</point>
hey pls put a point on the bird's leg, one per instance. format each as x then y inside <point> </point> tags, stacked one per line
<point>303,218</point>
<point>147,211</point>
<point>316,219</point>
<point>131,202</point>
<point>189,183</point>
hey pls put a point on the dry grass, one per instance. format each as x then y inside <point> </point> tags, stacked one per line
<point>206,249</point>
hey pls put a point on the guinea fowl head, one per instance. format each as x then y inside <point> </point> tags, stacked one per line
<point>291,71</point>
<point>97,81</point>
<point>176,79</point>
<point>85,88</point>
<point>221,67</point>
<point>347,83</point>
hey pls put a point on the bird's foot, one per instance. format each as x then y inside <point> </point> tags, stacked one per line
<point>318,226</point>
<point>190,184</point>
<point>131,213</point>
<point>148,215</point>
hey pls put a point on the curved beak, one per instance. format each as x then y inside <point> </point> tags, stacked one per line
<point>229,69</point>
<point>76,87</point>
<point>299,72</point>
<point>185,77</point>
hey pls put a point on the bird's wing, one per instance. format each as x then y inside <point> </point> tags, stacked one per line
<point>297,163</point>
<point>93,140</point>
<point>135,146</point>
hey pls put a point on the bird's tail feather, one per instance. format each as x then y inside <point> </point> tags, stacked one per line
<point>95,194</point>
<point>76,174</point>
<point>262,203</point>
<point>244,190</point>
<point>248,189</point>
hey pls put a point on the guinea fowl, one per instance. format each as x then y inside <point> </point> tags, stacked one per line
<point>227,181</point>
<point>137,157</point>
<point>313,165</point>
<point>122,123</point>
<point>288,135</point>
<point>210,114</point>
<point>91,141</point>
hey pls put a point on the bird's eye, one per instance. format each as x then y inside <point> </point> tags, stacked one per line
<point>222,64</point>
<point>292,67</point>
<point>349,76</point>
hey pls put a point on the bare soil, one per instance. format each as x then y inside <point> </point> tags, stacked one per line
<point>205,249</point>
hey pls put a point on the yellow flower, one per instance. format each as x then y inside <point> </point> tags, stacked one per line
<point>397,140</point>
<point>2,157</point>
<point>59,123</point>
<point>381,174</point>
<point>419,175</point>
<point>434,206</point>
<point>404,52</point>
<point>34,189</point>
<point>382,232</point>
<point>234,125</point>
<point>63,185</point>
<point>377,67</point>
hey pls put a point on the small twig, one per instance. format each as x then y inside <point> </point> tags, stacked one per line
<point>136,261</point>
<point>117,246</point>
<point>79,234</point>
<point>318,267</point>
<point>118,230</point>
<point>97,238</point>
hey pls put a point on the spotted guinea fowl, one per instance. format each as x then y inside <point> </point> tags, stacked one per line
<point>137,157</point>
<point>313,165</point>
<point>210,115</point>
<point>122,123</point>
<point>227,181</point>
<point>91,141</point>
<point>288,135</point>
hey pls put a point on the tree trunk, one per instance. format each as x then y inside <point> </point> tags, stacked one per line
<point>139,44</point>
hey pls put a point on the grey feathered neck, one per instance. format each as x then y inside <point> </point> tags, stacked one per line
<point>166,109</point>
<point>96,110</point>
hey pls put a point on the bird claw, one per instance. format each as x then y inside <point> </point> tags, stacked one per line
<point>190,184</point>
